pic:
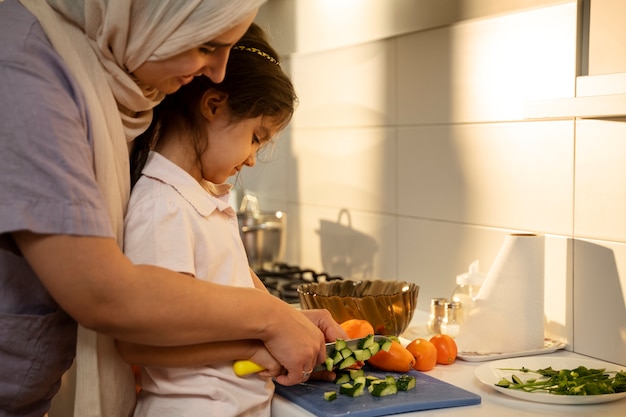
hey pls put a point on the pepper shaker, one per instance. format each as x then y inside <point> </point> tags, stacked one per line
<point>437,313</point>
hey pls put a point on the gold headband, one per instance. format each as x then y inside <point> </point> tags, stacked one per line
<point>258,52</point>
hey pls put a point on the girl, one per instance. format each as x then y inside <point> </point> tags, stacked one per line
<point>179,218</point>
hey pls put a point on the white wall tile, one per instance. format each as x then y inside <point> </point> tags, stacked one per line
<point>513,175</point>
<point>308,26</point>
<point>351,168</point>
<point>600,300</point>
<point>346,87</point>
<point>608,33</point>
<point>345,242</point>
<point>601,180</point>
<point>432,254</point>
<point>485,69</point>
<point>268,178</point>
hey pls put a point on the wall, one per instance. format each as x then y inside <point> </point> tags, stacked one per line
<point>410,155</point>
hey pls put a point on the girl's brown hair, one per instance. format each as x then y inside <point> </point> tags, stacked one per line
<point>255,84</point>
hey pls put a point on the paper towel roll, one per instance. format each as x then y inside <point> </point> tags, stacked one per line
<point>507,316</point>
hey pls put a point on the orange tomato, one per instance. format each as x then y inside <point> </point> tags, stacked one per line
<point>357,328</point>
<point>397,359</point>
<point>425,354</point>
<point>446,348</point>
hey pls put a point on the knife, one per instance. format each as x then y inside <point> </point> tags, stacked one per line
<point>246,367</point>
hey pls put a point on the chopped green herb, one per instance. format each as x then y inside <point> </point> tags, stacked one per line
<point>578,381</point>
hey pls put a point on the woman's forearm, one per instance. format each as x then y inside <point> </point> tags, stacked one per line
<point>99,287</point>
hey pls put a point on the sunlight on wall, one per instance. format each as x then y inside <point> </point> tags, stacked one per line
<point>497,74</point>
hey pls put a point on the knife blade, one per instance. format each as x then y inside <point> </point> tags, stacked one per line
<point>246,367</point>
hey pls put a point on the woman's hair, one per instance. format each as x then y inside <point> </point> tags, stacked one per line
<point>255,84</point>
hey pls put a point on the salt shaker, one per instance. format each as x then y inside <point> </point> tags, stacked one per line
<point>437,313</point>
<point>452,318</point>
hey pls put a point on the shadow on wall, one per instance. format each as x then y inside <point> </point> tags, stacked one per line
<point>600,313</point>
<point>346,251</point>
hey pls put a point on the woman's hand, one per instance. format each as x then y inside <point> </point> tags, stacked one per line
<point>297,339</point>
<point>325,322</point>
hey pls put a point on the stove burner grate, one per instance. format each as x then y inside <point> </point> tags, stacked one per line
<point>283,280</point>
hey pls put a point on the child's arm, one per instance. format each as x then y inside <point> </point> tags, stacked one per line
<point>257,281</point>
<point>199,355</point>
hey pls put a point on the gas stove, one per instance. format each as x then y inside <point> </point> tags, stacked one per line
<point>283,280</point>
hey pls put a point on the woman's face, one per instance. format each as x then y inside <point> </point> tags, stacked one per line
<point>210,59</point>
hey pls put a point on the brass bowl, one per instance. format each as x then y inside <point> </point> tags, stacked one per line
<point>387,305</point>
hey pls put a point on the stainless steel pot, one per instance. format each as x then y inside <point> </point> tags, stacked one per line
<point>263,233</point>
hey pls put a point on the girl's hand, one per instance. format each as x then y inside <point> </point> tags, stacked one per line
<point>262,357</point>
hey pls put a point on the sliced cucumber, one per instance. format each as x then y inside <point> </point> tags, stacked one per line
<point>374,349</point>
<point>366,342</point>
<point>349,361</point>
<point>342,378</point>
<point>340,344</point>
<point>355,373</point>
<point>350,390</point>
<point>386,345</point>
<point>329,362</point>
<point>382,389</point>
<point>359,380</point>
<point>358,354</point>
<point>330,395</point>
<point>406,382</point>
<point>346,352</point>
<point>370,379</point>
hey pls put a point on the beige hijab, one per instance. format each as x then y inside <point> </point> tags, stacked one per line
<point>103,42</point>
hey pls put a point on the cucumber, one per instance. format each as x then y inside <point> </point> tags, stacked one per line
<point>374,349</point>
<point>355,373</point>
<point>386,345</point>
<point>366,342</point>
<point>359,389</point>
<point>340,344</point>
<point>358,354</point>
<point>370,379</point>
<point>330,395</point>
<point>359,380</point>
<point>382,389</point>
<point>405,382</point>
<point>342,378</point>
<point>329,362</point>
<point>346,352</point>
<point>350,390</point>
<point>349,361</point>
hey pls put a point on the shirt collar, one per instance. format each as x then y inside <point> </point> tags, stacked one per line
<point>205,197</point>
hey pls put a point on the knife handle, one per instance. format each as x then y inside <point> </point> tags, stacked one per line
<point>246,367</point>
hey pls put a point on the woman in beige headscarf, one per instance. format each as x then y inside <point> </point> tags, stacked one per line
<point>78,80</point>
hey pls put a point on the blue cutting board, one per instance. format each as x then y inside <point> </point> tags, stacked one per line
<point>429,393</point>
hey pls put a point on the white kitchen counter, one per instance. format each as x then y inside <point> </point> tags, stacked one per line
<point>493,403</point>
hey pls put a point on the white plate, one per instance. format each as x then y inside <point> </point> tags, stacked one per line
<point>548,347</point>
<point>490,373</point>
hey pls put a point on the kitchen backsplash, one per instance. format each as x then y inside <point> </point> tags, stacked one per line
<point>410,135</point>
